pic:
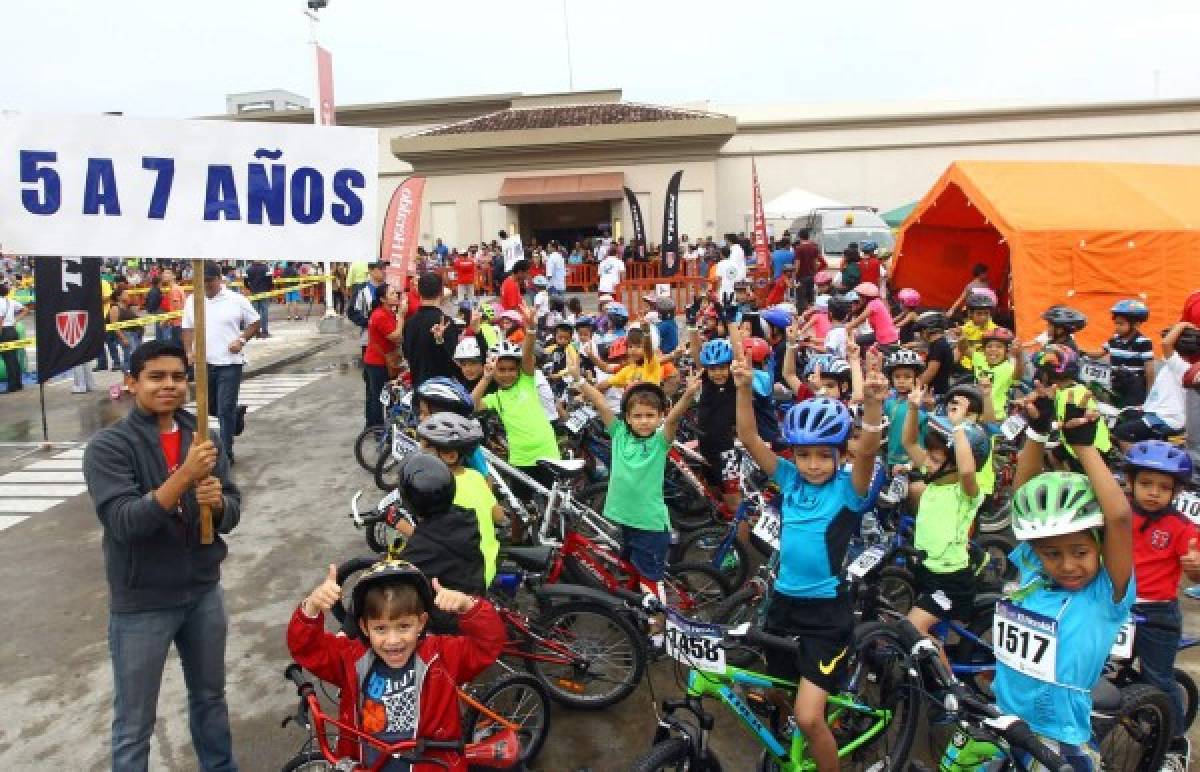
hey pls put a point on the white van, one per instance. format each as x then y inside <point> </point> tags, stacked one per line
<point>834,228</point>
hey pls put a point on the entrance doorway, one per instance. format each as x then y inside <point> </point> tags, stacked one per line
<point>566,223</point>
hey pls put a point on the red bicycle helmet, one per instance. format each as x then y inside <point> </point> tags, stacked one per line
<point>758,349</point>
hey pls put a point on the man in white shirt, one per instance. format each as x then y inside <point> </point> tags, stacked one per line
<point>512,249</point>
<point>229,322</point>
<point>10,312</point>
<point>610,271</point>
<point>738,255</point>
<point>729,272</point>
<point>556,270</point>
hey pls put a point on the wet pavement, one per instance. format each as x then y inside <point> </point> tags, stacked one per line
<point>297,475</point>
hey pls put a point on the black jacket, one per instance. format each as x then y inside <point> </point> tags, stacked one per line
<point>259,279</point>
<point>153,557</point>
<point>446,547</point>
<point>425,356</point>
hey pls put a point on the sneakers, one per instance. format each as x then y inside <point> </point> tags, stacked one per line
<point>1177,757</point>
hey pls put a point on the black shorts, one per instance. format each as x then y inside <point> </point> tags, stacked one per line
<point>721,469</point>
<point>946,596</point>
<point>824,628</point>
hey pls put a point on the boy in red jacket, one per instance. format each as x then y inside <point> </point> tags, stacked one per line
<point>396,682</point>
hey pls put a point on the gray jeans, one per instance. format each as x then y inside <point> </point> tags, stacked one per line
<point>138,643</point>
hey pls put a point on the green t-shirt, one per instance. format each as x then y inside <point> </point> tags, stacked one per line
<point>530,435</point>
<point>944,519</point>
<point>635,481</point>
<point>1002,380</point>
<point>472,492</point>
<point>1078,395</point>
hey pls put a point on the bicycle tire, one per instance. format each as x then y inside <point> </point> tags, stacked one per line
<point>741,606</point>
<point>379,537</point>
<point>699,546</point>
<point>620,633</point>
<point>882,662</point>
<point>306,760</point>
<point>996,518</point>
<point>1144,717</point>
<point>688,506</point>
<point>704,585</point>
<point>674,753</point>
<point>366,447</point>
<point>898,588</point>
<point>1191,699</point>
<point>532,734</point>
<point>999,568</point>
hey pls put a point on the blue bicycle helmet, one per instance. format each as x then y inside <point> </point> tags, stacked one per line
<point>981,444</point>
<point>1134,310</point>
<point>1159,456</point>
<point>441,393</point>
<point>716,352</point>
<point>817,421</point>
<point>617,309</point>
<point>776,317</point>
<point>868,246</point>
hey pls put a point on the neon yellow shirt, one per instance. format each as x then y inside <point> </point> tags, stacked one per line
<point>472,492</point>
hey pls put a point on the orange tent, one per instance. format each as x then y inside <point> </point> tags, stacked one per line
<point>1077,233</point>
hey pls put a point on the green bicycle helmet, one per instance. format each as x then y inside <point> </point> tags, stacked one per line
<point>1053,504</point>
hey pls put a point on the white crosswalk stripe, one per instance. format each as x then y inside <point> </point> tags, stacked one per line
<point>48,482</point>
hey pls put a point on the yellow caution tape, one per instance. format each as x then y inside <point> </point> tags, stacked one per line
<point>142,321</point>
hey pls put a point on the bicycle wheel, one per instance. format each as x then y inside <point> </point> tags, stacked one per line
<point>379,537</point>
<point>306,761</point>
<point>610,648</point>
<point>520,699</point>
<point>695,589</point>
<point>996,517</point>
<point>999,568</point>
<point>687,504</point>
<point>1191,699</point>
<point>369,445</point>
<point>742,606</point>
<point>675,753</point>
<point>700,546</point>
<point>1138,738</point>
<point>883,681</point>
<point>386,478</point>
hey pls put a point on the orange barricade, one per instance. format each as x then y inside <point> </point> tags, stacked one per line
<point>581,277</point>
<point>682,288</point>
<point>635,269</point>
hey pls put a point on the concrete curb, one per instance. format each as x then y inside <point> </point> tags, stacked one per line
<point>292,358</point>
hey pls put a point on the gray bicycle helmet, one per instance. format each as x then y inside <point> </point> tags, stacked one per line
<point>450,431</point>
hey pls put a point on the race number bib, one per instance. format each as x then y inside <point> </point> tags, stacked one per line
<point>1013,426</point>
<point>579,419</point>
<point>1096,372</point>
<point>767,528</point>
<point>1188,502</point>
<point>1025,641</point>
<point>697,646</point>
<point>402,444</point>
<point>866,561</point>
<point>1123,646</point>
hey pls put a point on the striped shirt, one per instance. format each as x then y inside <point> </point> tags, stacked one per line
<point>1130,353</point>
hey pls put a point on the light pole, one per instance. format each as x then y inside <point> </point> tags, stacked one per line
<point>567,34</point>
<point>318,119</point>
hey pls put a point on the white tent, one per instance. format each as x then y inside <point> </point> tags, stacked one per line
<point>796,203</point>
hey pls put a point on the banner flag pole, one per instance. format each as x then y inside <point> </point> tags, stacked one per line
<point>201,368</point>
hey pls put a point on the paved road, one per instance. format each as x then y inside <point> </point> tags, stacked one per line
<point>297,474</point>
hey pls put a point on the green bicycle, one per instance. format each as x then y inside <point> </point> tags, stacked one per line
<point>873,717</point>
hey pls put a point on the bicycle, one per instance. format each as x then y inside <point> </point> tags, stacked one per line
<point>498,746</point>
<point>879,698</point>
<point>375,441</point>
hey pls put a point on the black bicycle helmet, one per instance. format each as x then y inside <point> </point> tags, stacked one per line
<point>931,320</point>
<point>426,484</point>
<point>903,357</point>
<point>969,392</point>
<point>839,305</point>
<point>1066,317</point>
<point>385,572</point>
<point>645,386</point>
<point>450,431</point>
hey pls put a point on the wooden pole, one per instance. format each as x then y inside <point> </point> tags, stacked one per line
<point>201,368</point>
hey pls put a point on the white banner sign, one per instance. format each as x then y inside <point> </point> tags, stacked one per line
<point>130,187</point>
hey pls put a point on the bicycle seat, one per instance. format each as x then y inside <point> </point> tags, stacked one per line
<point>1106,697</point>
<point>565,470</point>
<point>529,558</point>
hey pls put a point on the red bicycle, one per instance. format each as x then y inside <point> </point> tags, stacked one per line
<point>499,747</point>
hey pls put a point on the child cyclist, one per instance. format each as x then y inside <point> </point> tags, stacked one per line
<point>821,509</point>
<point>396,681</point>
<point>715,417</point>
<point>1075,585</point>
<point>640,442</point>
<point>955,448</point>
<point>1130,353</point>
<point>1164,546</point>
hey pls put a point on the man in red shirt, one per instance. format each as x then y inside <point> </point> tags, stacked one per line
<point>464,276</point>
<point>869,266</point>
<point>511,288</point>
<point>807,263</point>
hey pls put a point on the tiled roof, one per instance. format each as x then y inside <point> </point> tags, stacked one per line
<point>523,118</point>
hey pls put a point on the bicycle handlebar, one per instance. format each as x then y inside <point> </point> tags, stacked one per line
<point>737,635</point>
<point>1012,729</point>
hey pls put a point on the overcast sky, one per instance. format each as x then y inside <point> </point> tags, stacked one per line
<point>177,59</point>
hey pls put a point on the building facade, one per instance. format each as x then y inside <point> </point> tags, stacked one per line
<point>554,165</point>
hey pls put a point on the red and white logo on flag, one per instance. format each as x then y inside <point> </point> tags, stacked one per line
<point>72,326</point>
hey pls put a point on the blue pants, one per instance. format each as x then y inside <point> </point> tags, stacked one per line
<point>377,376</point>
<point>224,381</point>
<point>138,643</point>
<point>133,339</point>
<point>263,307</point>
<point>110,350</point>
<point>1155,643</point>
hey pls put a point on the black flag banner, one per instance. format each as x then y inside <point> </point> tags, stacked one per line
<point>70,324</point>
<point>639,225</point>
<point>670,234</point>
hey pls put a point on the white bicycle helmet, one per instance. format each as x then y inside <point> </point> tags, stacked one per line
<point>506,349</point>
<point>1055,503</point>
<point>468,348</point>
